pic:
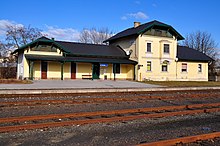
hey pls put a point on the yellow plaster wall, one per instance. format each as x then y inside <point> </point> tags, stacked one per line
<point>156,56</point>
<point>37,70</point>
<point>156,72</point>
<point>126,72</point>
<point>26,64</point>
<point>29,51</point>
<point>26,68</point>
<point>83,69</point>
<point>192,73</point>
<point>109,72</point>
<point>130,71</point>
<point>67,70</point>
<point>54,70</point>
<point>86,69</point>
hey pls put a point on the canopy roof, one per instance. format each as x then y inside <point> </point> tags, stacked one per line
<point>79,52</point>
<point>79,59</point>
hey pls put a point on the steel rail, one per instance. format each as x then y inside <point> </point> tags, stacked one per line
<point>103,113</point>
<point>103,120</point>
<point>183,140</point>
<point>100,120</point>
<point>97,100</point>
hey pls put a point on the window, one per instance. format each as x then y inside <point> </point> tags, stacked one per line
<point>184,67</point>
<point>166,48</point>
<point>148,47</point>
<point>116,69</point>
<point>164,67</point>
<point>148,65</point>
<point>199,67</point>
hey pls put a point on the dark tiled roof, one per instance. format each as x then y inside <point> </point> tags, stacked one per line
<point>83,49</point>
<point>80,59</point>
<point>189,54</point>
<point>137,30</point>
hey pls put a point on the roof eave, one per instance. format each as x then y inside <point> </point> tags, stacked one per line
<point>177,34</point>
<point>40,40</point>
<point>193,60</point>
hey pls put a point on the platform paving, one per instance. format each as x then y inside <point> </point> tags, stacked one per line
<point>78,84</point>
<point>87,86</point>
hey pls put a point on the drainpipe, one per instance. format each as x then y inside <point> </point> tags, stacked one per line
<point>114,70</point>
<point>134,73</point>
<point>62,70</point>
<point>176,67</point>
<point>92,71</point>
<point>31,65</point>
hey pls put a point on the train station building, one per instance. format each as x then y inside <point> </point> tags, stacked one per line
<point>143,52</point>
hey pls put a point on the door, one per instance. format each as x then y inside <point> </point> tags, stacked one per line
<point>43,70</point>
<point>73,70</point>
<point>95,70</point>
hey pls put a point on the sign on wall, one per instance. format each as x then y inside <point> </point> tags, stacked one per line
<point>104,65</point>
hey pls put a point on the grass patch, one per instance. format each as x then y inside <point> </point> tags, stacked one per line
<point>184,83</point>
<point>14,81</point>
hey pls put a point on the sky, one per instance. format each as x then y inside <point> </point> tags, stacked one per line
<point>64,19</point>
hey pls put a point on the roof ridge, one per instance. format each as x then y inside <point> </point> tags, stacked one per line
<point>80,43</point>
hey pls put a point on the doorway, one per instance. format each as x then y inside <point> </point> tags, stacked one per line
<point>73,70</point>
<point>43,70</point>
<point>95,70</point>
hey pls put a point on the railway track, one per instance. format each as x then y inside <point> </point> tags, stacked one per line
<point>33,102</point>
<point>183,140</point>
<point>55,120</point>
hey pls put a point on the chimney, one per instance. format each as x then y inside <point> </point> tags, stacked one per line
<point>136,24</point>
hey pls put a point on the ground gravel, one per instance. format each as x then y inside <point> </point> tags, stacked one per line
<point>112,134</point>
<point>117,133</point>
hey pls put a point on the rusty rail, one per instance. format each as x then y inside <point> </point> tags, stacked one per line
<point>183,140</point>
<point>106,119</point>
<point>100,100</point>
<point>99,120</point>
<point>114,112</point>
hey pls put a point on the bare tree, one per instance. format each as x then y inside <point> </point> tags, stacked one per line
<point>203,42</point>
<point>3,49</point>
<point>84,36</point>
<point>94,35</point>
<point>20,35</point>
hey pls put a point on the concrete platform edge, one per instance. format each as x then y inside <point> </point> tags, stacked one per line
<point>51,91</point>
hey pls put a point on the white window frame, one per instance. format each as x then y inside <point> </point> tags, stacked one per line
<point>168,48</point>
<point>150,66</point>
<point>199,68</point>
<point>183,69</point>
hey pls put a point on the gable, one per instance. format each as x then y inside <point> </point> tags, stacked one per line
<point>42,44</point>
<point>135,31</point>
<point>158,32</point>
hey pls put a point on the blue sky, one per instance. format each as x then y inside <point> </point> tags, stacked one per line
<point>65,19</point>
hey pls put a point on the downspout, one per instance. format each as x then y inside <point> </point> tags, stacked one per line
<point>134,73</point>
<point>62,70</point>
<point>114,70</point>
<point>31,72</point>
<point>176,60</point>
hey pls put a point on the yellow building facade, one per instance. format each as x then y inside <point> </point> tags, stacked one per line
<point>154,46</point>
<point>47,59</point>
<point>144,52</point>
